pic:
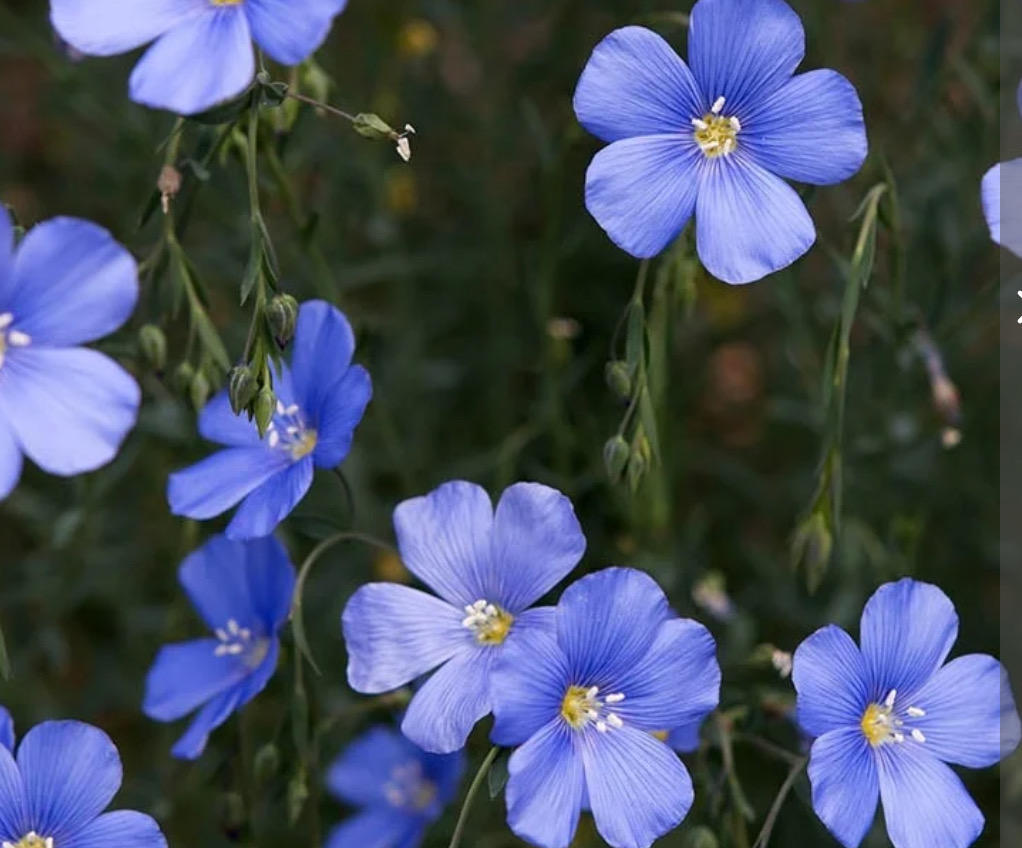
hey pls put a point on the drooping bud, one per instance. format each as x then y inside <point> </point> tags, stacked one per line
<point>264,405</point>
<point>619,379</point>
<point>241,388</point>
<point>281,315</point>
<point>153,345</point>
<point>198,390</point>
<point>373,126</point>
<point>615,457</point>
<point>183,375</point>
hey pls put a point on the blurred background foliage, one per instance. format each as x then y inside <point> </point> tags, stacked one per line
<point>485,301</point>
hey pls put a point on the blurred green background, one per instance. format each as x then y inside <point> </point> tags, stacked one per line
<point>485,300</point>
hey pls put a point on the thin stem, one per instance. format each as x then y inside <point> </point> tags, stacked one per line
<point>782,795</point>
<point>484,769</point>
<point>333,110</point>
<point>768,747</point>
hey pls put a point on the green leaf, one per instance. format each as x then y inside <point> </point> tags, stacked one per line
<point>498,775</point>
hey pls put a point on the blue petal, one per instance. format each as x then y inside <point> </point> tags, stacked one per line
<point>686,738</point>
<point>607,622</point>
<point>71,772</point>
<point>843,774</point>
<point>124,828</point>
<point>379,827</point>
<point>536,542</point>
<point>832,682</point>
<point>14,821</point>
<point>70,409</point>
<point>642,191</point>
<point>971,719</point>
<point>749,223</point>
<point>1004,217</point>
<point>990,194</point>
<point>444,539</point>
<point>925,804</point>
<point>10,459</point>
<point>743,50</point>
<point>635,84</point>
<point>108,27</point>
<point>218,423</point>
<point>323,346</point>
<point>215,484</point>
<point>810,130</point>
<point>72,283</point>
<point>395,634</point>
<point>196,65</point>
<point>6,729</point>
<point>338,416</point>
<point>289,34</point>
<point>358,776</point>
<point>545,786</point>
<point>261,512</point>
<point>446,772</point>
<point>447,706</point>
<point>186,675</point>
<point>638,788</point>
<point>6,256</point>
<point>908,629</point>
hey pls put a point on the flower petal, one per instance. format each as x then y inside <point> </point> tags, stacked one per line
<point>70,409</point>
<point>6,256</point>
<point>196,65</point>
<point>642,191</point>
<point>378,827</point>
<point>395,634</point>
<point>810,130</point>
<point>686,738</point>
<point>444,539</point>
<point>831,680</point>
<point>291,35</point>
<point>634,84</point>
<point>749,223</point>
<point>908,629</point>
<point>322,349</point>
<point>743,50</point>
<point>359,775</point>
<point>216,483</point>
<point>14,819</point>
<point>1004,217</point>
<point>10,460</point>
<point>638,788</point>
<point>843,775</point>
<point>108,27</point>
<point>186,675</point>
<point>218,423</point>
<point>123,828</point>
<point>261,512</point>
<point>71,772</point>
<point>72,283</point>
<point>6,729</point>
<point>339,414</point>
<point>545,786</point>
<point>925,804</point>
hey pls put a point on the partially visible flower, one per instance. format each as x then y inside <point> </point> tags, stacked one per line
<point>716,137</point>
<point>1004,217</point>
<point>203,52</point>
<point>65,407</point>
<point>398,788</point>
<point>53,795</point>
<point>584,700</point>
<point>889,714</point>
<point>243,592</point>
<point>6,729</point>
<point>488,568</point>
<point>320,401</point>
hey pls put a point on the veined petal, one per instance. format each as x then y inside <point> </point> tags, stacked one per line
<point>377,827</point>
<point>843,775</point>
<point>749,223</point>
<point>810,130</point>
<point>108,27</point>
<point>359,775</point>
<point>216,483</point>
<point>925,804</point>
<point>322,349</point>
<point>686,738</point>
<point>634,84</point>
<point>908,629</point>
<point>289,34</point>
<point>545,786</point>
<point>743,50</point>
<point>1004,216</point>
<point>10,459</point>
<point>638,788</point>
<point>832,682</point>
<point>14,819</point>
<point>339,414</point>
<point>123,828</point>
<point>196,65</point>
<point>395,634</point>
<point>70,409</point>
<point>262,510</point>
<point>642,191</point>
<point>218,423</point>
<point>186,675</point>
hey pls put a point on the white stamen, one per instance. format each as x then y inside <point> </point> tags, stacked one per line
<point>915,712</point>
<point>280,407</point>
<point>601,726</point>
<point>729,145</point>
<point>718,104</point>
<point>592,692</point>
<point>700,124</point>
<point>15,338</point>
<point>274,439</point>
<point>291,410</point>
<point>889,700</point>
<point>616,698</point>
<point>736,125</point>
<point>917,734</point>
<point>404,149</point>
<point>5,321</point>
<point>614,720</point>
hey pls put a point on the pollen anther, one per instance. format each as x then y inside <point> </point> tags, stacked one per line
<point>883,723</point>
<point>717,134</point>
<point>489,622</point>
<point>582,707</point>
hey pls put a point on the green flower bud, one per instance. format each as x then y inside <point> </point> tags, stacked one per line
<point>153,345</point>
<point>264,406</point>
<point>242,387</point>
<point>701,837</point>
<point>281,315</point>
<point>619,378</point>
<point>373,126</point>
<point>198,390</point>
<point>183,375</point>
<point>615,457</point>
<point>638,464</point>
<point>811,547</point>
<point>267,761</point>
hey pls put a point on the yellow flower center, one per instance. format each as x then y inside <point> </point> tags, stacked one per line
<point>30,840</point>
<point>489,623</point>
<point>226,2</point>
<point>305,445</point>
<point>288,432</point>
<point>883,724</point>
<point>583,706</point>
<point>715,133</point>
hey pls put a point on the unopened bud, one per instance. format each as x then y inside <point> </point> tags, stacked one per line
<point>373,126</point>
<point>183,376</point>
<point>198,390</point>
<point>153,345</point>
<point>701,837</point>
<point>812,546</point>
<point>267,761</point>
<point>264,406</point>
<point>638,465</point>
<point>241,388</point>
<point>619,379</point>
<point>615,457</point>
<point>281,317</point>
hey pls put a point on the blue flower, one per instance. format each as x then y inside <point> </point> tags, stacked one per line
<point>6,729</point>
<point>399,789</point>
<point>53,795</point>
<point>584,700</point>
<point>488,569</point>
<point>888,715</point>
<point>243,592</point>
<point>1005,223</point>
<point>321,400</point>
<point>716,137</point>
<point>65,407</point>
<point>203,52</point>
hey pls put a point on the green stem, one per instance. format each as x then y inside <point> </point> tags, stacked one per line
<point>484,769</point>
<point>768,826</point>
<point>333,110</point>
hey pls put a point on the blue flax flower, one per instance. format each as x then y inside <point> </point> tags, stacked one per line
<point>1004,221</point>
<point>888,714</point>
<point>243,592</point>
<point>399,789</point>
<point>65,407</point>
<point>488,567</point>
<point>716,137</point>
<point>203,52</point>
<point>321,400</point>
<point>584,700</point>
<point>54,793</point>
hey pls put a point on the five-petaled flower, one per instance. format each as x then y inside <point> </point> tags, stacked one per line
<point>243,592</point>
<point>584,699</point>
<point>321,400</point>
<point>889,714</point>
<point>66,407</point>
<point>203,52</point>
<point>54,793</point>
<point>488,567</point>
<point>716,137</point>
<point>399,789</point>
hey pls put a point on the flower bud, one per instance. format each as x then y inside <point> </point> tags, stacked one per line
<point>198,390</point>
<point>701,837</point>
<point>242,387</point>
<point>183,375</point>
<point>153,345</point>
<point>811,547</point>
<point>281,316</point>
<point>373,126</point>
<point>264,405</point>
<point>615,457</point>
<point>267,761</point>
<point>619,379</point>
